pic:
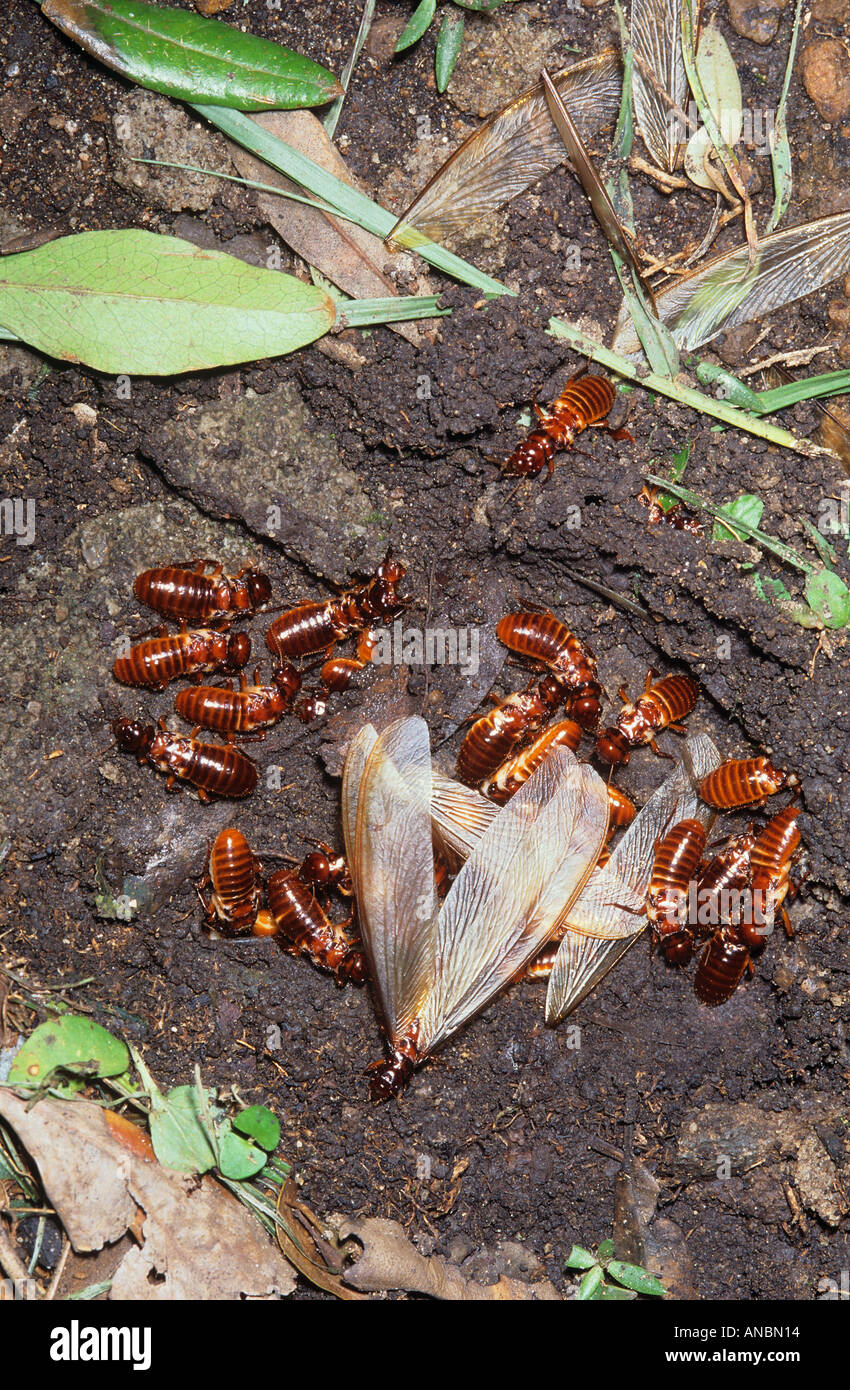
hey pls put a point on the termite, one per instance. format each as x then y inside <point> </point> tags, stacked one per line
<point>493,738</point>
<point>540,636</point>
<point>249,710</point>
<point>316,626</point>
<point>187,653</point>
<point>677,858</point>
<point>744,782</point>
<point>663,705</point>
<point>673,516</point>
<point>181,592</point>
<point>303,924</point>
<point>233,873</point>
<point>214,769</point>
<point>584,401</point>
<point>721,966</point>
<point>775,850</point>
<point>510,776</point>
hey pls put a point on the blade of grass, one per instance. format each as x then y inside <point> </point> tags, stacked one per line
<point>685,395</point>
<point>778,548</point>
<point>780,148</point>
<point>331,119</point>
<point>341,196</point>
<point>364,313</point>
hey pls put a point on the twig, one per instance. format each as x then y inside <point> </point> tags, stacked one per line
<point>10,1260</point>
<point>59,1270</point>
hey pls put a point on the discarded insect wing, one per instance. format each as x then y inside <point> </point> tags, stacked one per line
<point>657,43</point>
<point>459,817</point>
<point>727,290</point>
<point>611,906</point>
<point>432,971</point>
<point>509,151</point>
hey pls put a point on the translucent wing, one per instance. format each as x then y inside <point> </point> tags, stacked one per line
<point>352,773</point>
<point>727,291</point>
<point>459,817</point>
<point>583,959</point>
<point>509,151</point>
<point>505,902</point>
<point>657,42</point>
<point>393,869</point>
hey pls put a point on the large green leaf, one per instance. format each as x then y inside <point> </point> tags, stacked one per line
<point>195,59</point>
<point>134,302</point>
<point>75,1044</point>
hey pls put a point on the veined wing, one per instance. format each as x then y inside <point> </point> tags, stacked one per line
<point>657,40</point>
<point>355,761</point>
<point>727,290</point>
<point>459,816</point>
<point>393,870</point>
<point>506,900</point>
<point>583,959</point>
<point>509,151</point>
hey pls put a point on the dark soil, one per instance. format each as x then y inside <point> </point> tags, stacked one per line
<point>525,1106</point>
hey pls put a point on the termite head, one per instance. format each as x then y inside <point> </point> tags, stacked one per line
<point>316,869</point>
<point>238,651</point>
<point>287,679</point>
<point>258,586</point>
<point>678,948</point>
<point>611,747</point>
<point>132,736</point>
<point>390,571</point>
<point>585,707</point>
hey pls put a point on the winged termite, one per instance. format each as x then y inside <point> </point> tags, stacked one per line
<point>433,969</point>
<point>727,290</point>
<point>657,44</point>
<point>514,147</point>
<point>609,914</point>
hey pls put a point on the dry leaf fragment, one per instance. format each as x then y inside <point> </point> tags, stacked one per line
<point>197,1241</point>
<point>389,1261</point>
<point>350,257</point>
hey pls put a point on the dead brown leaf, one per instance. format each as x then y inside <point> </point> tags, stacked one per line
<point>389,1261</point>
<point>196,1240</point>
<point>354,260</point>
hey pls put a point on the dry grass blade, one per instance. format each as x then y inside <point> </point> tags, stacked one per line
<point>728,290</point>
<point>590,181</point>
<point>513,148</point>
<point>303,1245</point>
<point>660,81</point>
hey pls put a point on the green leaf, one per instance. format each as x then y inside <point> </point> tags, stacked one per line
<point>590,1285</point>
<point>131,301</point>
<point>633,1277</point>
<point>238,1159</point>
<point>177,1131</point>
<point>678,464</point>
<point>259,1123</point>
<point>821,544</point>
<point>75,1044</point>
<point>417,24</point>
<point>184,55</point>
<point>780,148</point>
<point>449,43</point>
<point>746,508</point>
<point>605,1251</point>
<point>579,1258</point>
<point>720,83</point>
<point>612,1293</point>
<point>829,598</point>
